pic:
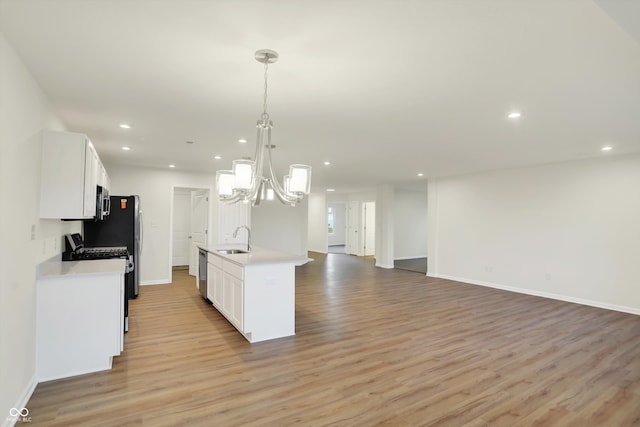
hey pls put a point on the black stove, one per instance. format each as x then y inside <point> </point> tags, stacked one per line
<point>75,251</point>
<point>99,253</point>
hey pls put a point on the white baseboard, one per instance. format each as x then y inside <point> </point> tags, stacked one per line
<point>565,298</point>
<point>21,403</point>
<point>155,282</point>
<point>384,265</point>
<point>320,251</point>
<point>410,257</point>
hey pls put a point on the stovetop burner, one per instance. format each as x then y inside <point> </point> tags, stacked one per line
<point>100,253</point>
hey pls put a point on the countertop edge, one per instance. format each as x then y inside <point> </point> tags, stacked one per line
<point>57,268</point>
<point>257,256</point>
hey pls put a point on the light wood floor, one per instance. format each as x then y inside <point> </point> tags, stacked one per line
<point>373,347</point>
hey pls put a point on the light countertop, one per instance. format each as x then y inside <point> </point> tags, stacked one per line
<point>57,268</point>
<point>256,256</point>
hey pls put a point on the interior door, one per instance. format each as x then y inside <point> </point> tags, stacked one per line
<point>353,225</point>
<point>181,227</point>
<point>199,226</point>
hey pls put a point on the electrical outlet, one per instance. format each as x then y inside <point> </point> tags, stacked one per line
<point>33,232</point>
<point>547,276</point>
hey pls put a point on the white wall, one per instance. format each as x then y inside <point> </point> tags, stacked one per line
<point>410,223</point>
<point>24,113</point>
<point>569,231</point>
<point>355,196</point>
<point>317,223</point>
<point>281,227</point>
<point>385,223</point>
<point>155,188</point>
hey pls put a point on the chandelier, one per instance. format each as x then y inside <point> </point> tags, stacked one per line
<point>254,180</point>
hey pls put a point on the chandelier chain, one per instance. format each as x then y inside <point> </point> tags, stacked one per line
<point>265,115</point>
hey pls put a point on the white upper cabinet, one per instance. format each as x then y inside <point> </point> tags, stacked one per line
<point>103,180</point>
<point>91,172</point>
<point>71,172</point>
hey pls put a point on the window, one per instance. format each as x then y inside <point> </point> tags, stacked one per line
<point>330,220</point>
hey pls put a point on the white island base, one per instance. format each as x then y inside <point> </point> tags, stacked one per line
<point>254,291</point>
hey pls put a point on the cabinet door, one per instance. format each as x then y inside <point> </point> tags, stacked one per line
<point>68,176</point>
<point>227,295</point>
<point>102,177</point>
<point>90,179</point>
<point>237,309</point>
<point>214,285</point>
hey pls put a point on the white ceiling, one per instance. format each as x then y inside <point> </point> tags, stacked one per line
<point>382,89</point>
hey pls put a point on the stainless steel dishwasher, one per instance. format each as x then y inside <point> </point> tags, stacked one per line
<point>202,274</point>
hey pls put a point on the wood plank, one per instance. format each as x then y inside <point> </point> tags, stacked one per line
<point>372,347</point>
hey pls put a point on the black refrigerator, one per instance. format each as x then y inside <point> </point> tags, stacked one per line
<point>122,227</point>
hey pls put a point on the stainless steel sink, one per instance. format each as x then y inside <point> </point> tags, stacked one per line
<point>232,251</point>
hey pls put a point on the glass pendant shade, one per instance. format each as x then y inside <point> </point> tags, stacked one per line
<point>300,179</point>
<point>287,186</point>
<point>243,171</point>
<point>224,183</point>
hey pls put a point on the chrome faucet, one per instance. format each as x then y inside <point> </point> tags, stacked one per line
<point>235,234</point>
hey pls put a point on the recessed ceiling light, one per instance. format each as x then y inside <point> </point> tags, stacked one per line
<point>331,189</point>
<point>125,126</point>
<point>420,174</point>
<point>125,148</point>
<point>327,163</point>
<point>606,148</point>
<point>242,141</point>
<point>172,166</point>
<point>514,115</point>
<point>217,157</point>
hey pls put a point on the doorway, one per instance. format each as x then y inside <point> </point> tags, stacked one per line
<point>361,228</point>
<point>336,227</point>
<point>181,227</point>
<point>189,227</point>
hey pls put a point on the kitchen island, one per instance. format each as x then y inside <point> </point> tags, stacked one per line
<point>254,291</point>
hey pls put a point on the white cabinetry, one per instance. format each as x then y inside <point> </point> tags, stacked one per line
<point>214,280</point>
<point>103,178</point>
<point>257,299</point>
<point>71,172</point>
<point>233,294</point>
<point>79,318</point>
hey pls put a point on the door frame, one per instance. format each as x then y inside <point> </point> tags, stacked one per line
<point>209,222</point>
